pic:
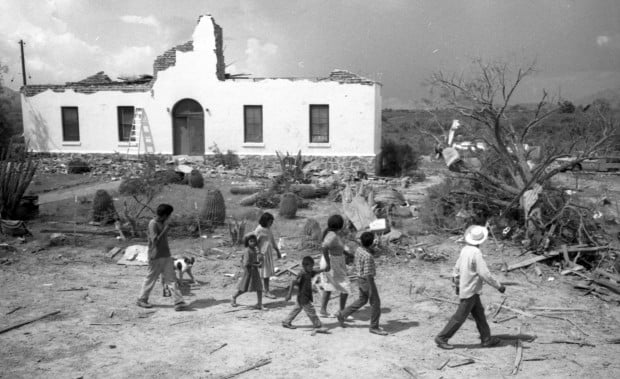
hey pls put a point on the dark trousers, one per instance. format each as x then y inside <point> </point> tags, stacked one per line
<point>367,291</point>
<point>310,311</point>
<point>471,305</point>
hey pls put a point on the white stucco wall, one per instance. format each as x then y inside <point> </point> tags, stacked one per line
<point>354,110</point>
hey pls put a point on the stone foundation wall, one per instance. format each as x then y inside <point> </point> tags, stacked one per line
<point>271,163</point>
<point>116,165</point>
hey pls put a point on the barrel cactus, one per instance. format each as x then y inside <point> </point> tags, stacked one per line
<point>214,209</point>
<point>195,179</point>
<point>103,208</point>
<point>288,205</point>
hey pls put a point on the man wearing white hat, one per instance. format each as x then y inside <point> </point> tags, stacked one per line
<point>469,273</point>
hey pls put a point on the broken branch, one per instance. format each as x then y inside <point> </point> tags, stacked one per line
<point>253,367</point>
<point>28,322</point>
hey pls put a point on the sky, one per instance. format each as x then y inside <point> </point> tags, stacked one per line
<point>575,44</point>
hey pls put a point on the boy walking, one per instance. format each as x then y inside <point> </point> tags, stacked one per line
<point>160,261</point>
<point>304,297</point>
<point>469,273</point>
<point>366,271</point>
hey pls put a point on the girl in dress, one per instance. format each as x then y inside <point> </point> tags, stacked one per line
<point>266,247</point>
<point>250,281</point>
<point>333,261</point>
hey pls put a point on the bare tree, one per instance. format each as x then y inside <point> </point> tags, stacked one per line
<point>484,100</point>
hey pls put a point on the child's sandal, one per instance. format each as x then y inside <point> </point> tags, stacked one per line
<point>233,302</point>
<point>288,326</point>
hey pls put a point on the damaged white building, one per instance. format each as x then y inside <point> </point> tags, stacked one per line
<point>190,104</point>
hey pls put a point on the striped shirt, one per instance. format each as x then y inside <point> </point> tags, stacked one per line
<point>364,262</point>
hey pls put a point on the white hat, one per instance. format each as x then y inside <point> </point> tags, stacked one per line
<point>476,234</point>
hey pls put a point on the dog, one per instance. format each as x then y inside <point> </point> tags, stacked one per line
<point>182,266</point>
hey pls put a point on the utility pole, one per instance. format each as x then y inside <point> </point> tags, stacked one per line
<point>21,45</point>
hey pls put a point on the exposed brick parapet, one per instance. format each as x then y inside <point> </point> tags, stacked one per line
<point>169,58</point>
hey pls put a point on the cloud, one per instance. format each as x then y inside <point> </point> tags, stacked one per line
<point>130,60</point>
<point>612,42</point>
<point>260,57</point>
<point>602,40</point>
<point>148,20</point>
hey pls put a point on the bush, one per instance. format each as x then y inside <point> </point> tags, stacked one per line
<point>229,160</point>
<point>398,158</point>
<point>195,179</point>
<point>77,166</point>
<point>168,176</point>
<point>133,187</point>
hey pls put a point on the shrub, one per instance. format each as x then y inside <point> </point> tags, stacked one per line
<point>416,175</point>
<point>195,179</point>
<point>288,205</point>
<point>103,208</point>
<point>133,187</point>
<point>214,209</point>
<point>77,166</point>
<point>229,160</point>
<point>168,176</point>
<point>398,158</point>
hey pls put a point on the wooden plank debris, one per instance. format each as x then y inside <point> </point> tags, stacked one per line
<point>14,310</point>
<point>518,355</point>
<point>532,260</point>
<point>114,251</point>
<point>500,307</point>
<point>258,364</point>
<point>609,275</point>
<point>558,309</point>
<point>518,311</point>
<point>442,299</point>
<point>580,343</point>
<point>28,322</point>
<point>217,348</point>
<point>460,362</point>
<point>288,269</point>
<point>504,319</point>
<point>554,253</point>
<point>565,319</point>
<point>442,363</point>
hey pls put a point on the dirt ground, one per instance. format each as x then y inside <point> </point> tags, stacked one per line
<point>100,332</point>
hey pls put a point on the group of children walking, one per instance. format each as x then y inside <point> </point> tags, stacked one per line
<point>469,273</point>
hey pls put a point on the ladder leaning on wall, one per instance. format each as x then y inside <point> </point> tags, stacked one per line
<point>141,132</point>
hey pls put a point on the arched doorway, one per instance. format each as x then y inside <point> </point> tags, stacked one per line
<point>188,131</point>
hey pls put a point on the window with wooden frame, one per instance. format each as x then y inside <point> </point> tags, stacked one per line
<point>319,123</point>
<point>253,123</point>
<point>125,123</point>
<point>70,124</point>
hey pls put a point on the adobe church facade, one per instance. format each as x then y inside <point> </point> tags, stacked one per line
<point>190,104</point>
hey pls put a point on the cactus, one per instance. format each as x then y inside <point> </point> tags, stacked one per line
<point>312,230</point>
<point>288,205</point>
<point>214,209</point>
<point>195,179</point>
<point>103,208</point>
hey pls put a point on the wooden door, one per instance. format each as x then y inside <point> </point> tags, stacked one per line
<point>188,128</point>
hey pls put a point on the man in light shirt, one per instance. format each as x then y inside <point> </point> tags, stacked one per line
<point>469,274</point>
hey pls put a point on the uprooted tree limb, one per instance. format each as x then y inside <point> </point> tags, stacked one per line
<point>509,177</point>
